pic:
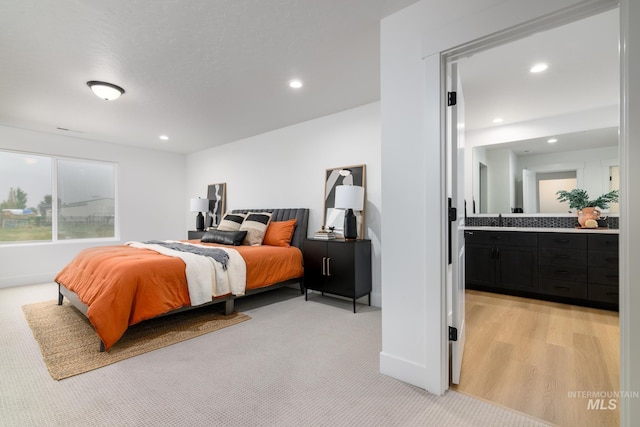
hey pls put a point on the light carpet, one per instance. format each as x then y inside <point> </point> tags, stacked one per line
<point>296,363</point>
<point>70,345</point>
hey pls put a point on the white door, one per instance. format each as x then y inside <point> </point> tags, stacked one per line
<point>455,190</point>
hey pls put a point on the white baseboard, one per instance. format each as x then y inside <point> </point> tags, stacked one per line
<point>27,279</point>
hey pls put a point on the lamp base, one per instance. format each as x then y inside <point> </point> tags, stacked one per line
<point>350,230</point>
<point>200,222</point>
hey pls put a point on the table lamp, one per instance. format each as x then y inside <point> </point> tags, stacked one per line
<point>199,205</point>
<point>349,197</point>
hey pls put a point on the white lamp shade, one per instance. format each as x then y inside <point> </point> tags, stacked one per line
<point>349,197</point>
<point>199,205</point>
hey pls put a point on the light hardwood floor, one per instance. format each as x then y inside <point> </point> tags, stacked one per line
<point>533,356</point>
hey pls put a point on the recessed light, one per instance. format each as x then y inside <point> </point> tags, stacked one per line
<point>537,68</point>
<point>498,120</point>
<point>552,140</point>
<point>164,137</point>
<point>295,84</point>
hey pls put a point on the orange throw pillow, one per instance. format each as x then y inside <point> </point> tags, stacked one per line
<point>279,233</point>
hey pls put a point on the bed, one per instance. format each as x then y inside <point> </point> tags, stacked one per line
<point>118,286</point>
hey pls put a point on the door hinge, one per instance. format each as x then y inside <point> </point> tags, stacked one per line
<point>452,98</point>
<point>453,333</point>
<point>453,214</point>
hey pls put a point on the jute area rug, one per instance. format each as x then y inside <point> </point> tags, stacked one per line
<point>70,345</point>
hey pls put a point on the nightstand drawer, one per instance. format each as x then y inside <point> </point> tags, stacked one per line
<point>193,234</point>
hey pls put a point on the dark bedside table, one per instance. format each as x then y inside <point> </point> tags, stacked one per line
<point>338,267</point>
<point>193,234</point>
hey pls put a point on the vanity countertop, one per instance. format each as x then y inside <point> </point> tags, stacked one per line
<point>544,229</point>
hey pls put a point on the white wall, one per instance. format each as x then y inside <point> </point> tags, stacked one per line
<point>630,204</point>
<point>151,201</point>
<point>412,281</point>
<point>285,168</point>
<point>413,321</point>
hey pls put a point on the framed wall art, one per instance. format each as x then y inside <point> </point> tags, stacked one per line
<point>217,195</point>
<point>345,175</point>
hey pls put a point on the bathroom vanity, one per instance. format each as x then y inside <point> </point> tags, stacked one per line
<point>568,265</point>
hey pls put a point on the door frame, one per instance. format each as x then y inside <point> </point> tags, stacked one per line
<point>522,30</point>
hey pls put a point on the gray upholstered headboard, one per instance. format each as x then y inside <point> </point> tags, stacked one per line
<point>300,214</point>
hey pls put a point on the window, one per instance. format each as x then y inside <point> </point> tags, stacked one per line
<point>25,184</point>
<point>84,192</point>
<point>548,186</point>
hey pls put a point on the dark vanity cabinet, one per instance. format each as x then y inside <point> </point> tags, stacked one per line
<point>338,267</point>
<point>602,275</point>
<point>502,260</point>
<point>576,268</point>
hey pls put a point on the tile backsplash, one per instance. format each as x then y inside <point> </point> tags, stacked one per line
<point>531,221</point>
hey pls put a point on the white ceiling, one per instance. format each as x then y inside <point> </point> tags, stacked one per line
<point>583,74</point>
<point>209,72</point>
<point>203,72</point>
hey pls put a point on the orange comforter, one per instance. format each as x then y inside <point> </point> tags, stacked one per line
<point>122,285</point>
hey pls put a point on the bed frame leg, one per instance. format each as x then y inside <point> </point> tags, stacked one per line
<point>228,307</point>
<point>101,347</point>
<point>60,296</point>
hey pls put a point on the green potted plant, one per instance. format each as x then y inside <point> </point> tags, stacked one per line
<point>586,208</point>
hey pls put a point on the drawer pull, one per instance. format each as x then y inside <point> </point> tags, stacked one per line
<point>562,256</point>
<point>562,240</point>
<point>328,266</point>
<point>496,237</point>
<point>562,288</point>
<point>324,265</point>
<point>612,276</point>
<point>611,259</point>
<point>562,271</point>
<point>612,294</point>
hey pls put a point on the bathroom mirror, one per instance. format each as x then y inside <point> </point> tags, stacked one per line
<point>344,175</point>
<point>524,176</point>
<point>511,112</point>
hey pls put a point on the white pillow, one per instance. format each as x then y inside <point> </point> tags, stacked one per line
<point>231,221</point>
<point>255,224</point>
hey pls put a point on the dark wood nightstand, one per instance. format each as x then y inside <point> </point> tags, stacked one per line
<point>193,234</point>
<point>338,267</point>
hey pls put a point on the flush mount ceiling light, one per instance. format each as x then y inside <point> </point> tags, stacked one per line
<point>295,84</point>
<point>537,68</point>
<point>104,90</point>
<point>498,120</point>
<point>164,137</point>
<point>552,140</point>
